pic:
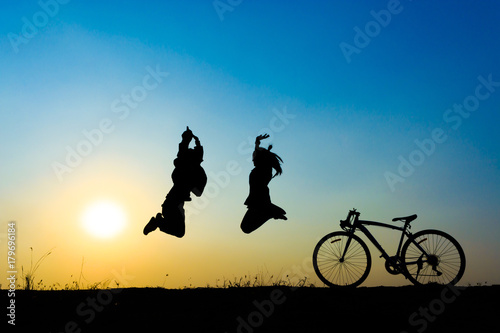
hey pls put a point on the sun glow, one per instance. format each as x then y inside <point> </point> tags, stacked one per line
<point>103,219</point>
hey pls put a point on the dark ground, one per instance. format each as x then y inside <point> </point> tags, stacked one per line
<point>263,309</point>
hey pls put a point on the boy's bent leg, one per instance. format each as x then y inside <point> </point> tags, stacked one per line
<point>173,222</point>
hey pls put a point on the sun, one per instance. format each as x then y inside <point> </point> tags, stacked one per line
<point>103,219</point>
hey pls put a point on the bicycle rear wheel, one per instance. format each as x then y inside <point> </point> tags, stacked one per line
<point>333,271</point>
<point>443,261</point>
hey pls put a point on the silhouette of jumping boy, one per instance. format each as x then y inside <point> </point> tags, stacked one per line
<point>260,208</point>
<point>188,176</point>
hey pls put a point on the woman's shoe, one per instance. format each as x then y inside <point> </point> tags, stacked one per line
<point>281,217</point>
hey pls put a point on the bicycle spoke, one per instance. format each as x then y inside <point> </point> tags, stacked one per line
<point>335,270</point>
<point>442,260</point>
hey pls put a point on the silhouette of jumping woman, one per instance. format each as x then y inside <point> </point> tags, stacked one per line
<point>260,208</point>
<point>188,176</point>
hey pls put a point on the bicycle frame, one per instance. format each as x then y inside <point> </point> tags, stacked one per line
<point>404,232</point>
<point>360,224</point>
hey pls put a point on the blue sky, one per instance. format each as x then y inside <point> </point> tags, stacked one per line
<point>349,122</point>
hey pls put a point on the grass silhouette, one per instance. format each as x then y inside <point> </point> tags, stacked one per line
<point>29,277</point>
<point>261,279</point>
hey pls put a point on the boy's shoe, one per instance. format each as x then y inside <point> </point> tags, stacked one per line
<point>151,226</point>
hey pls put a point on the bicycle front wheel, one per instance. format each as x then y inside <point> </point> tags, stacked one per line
<point>334,271</point>
<point>433,256</point>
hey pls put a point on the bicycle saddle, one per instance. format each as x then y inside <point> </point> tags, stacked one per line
<point>405,218</point>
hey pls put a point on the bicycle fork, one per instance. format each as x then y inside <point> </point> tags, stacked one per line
<point>346,248</point>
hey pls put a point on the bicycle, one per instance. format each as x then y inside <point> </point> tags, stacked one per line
<point>341,258</point>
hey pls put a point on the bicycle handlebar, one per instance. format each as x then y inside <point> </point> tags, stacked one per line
<point>348,222</point>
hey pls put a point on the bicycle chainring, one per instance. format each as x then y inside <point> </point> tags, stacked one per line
<point>392,268</point>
